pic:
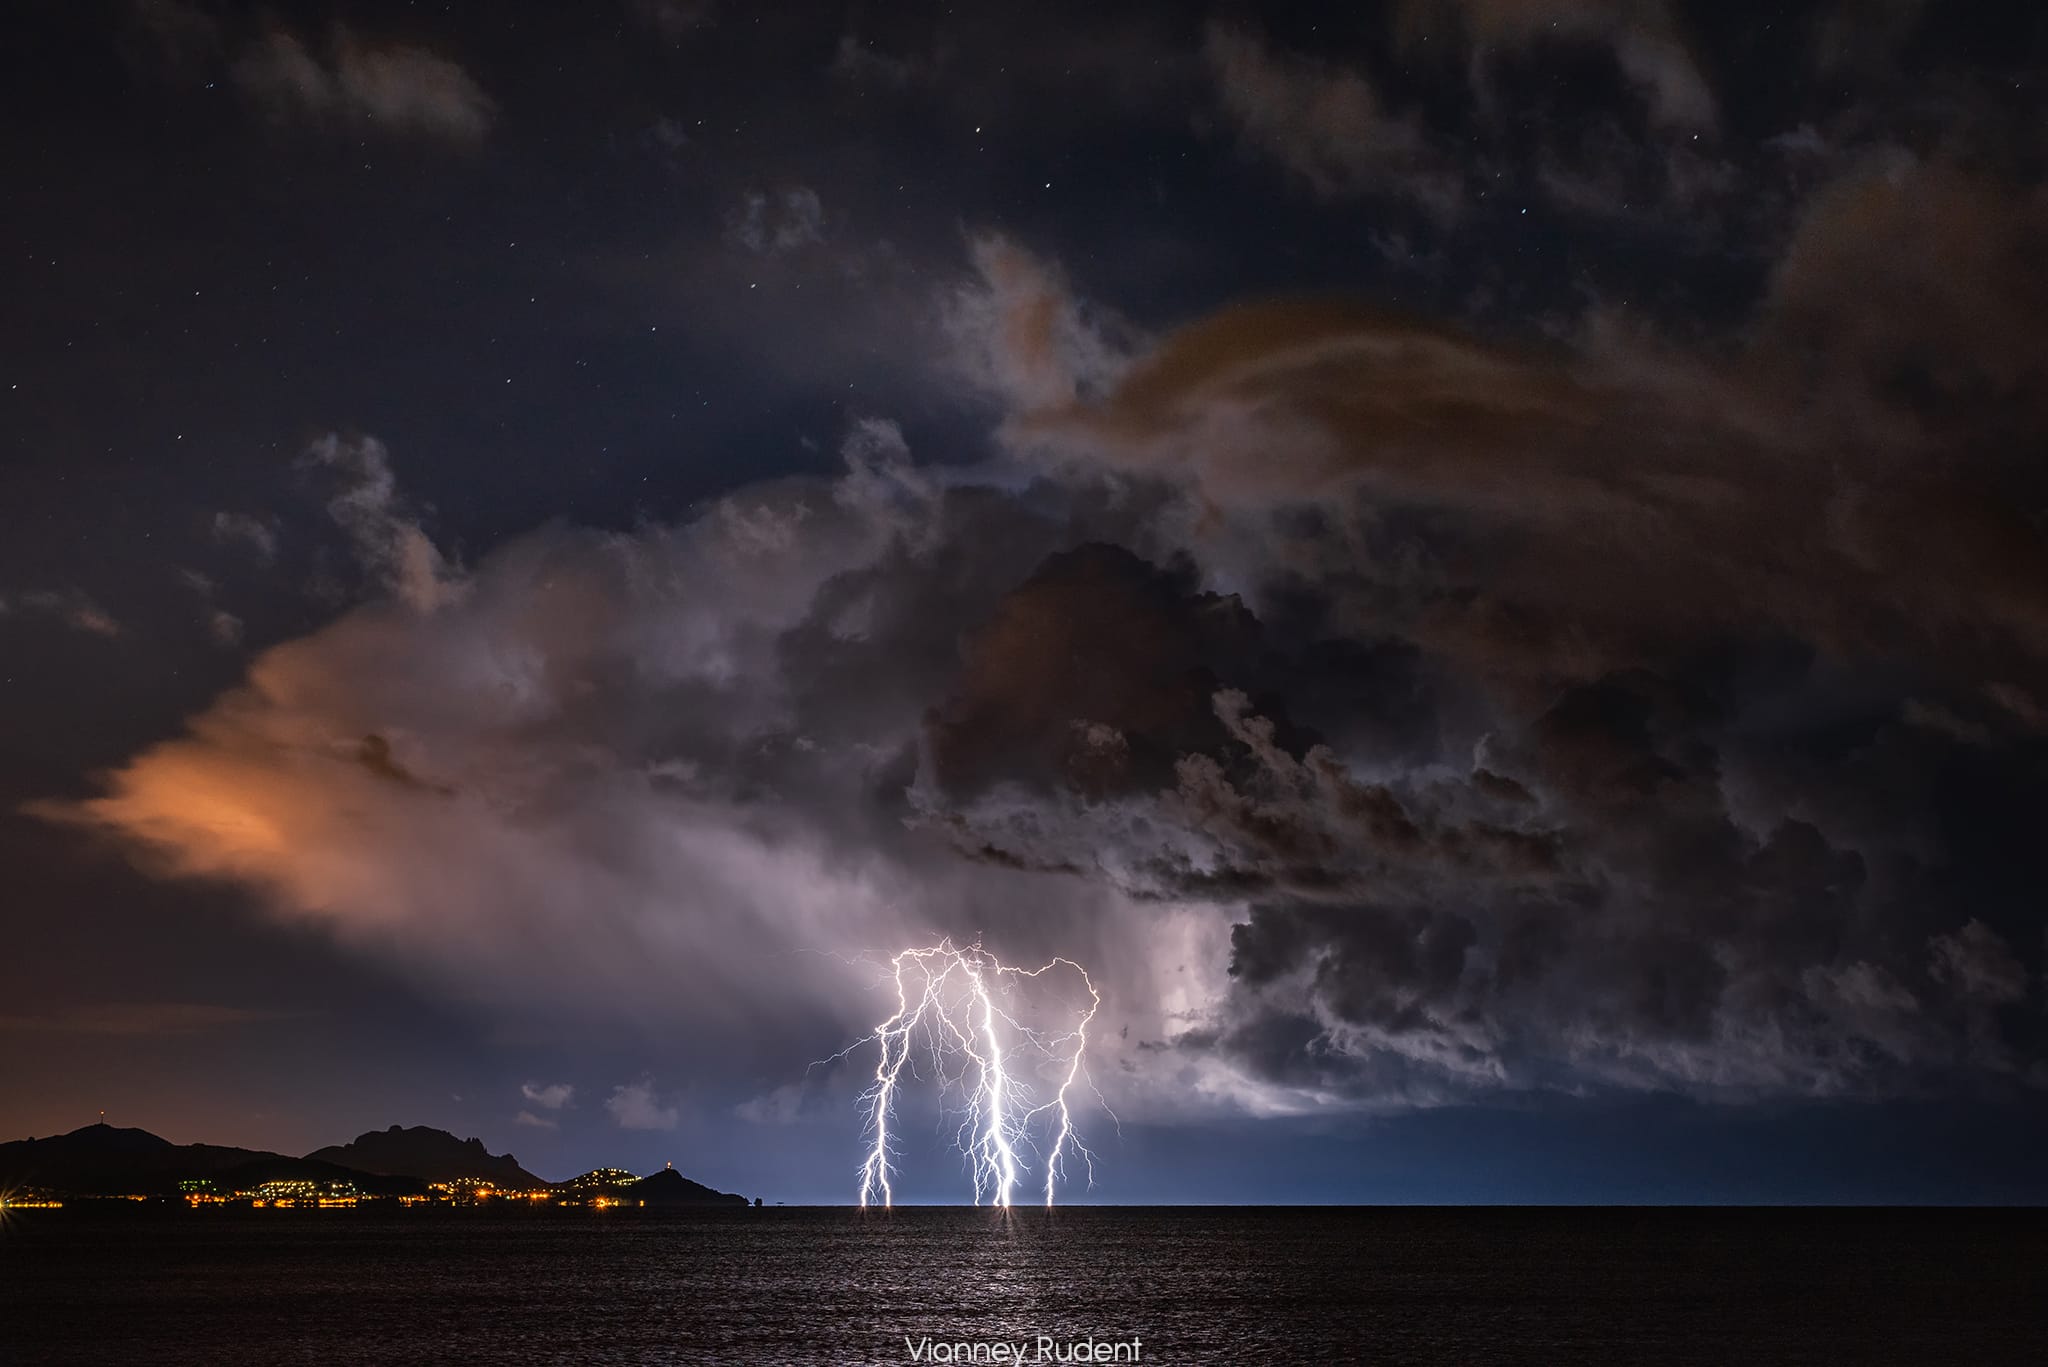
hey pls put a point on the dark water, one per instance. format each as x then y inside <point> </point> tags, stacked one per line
<point>1194,1285</point>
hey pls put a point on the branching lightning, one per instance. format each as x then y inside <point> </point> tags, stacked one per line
<point>957,1011</point>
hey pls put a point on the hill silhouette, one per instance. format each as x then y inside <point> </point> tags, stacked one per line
<point>110,1161</point>
<point>670,1188</point>
<point>426,1153</point>
<point>103,1160</point>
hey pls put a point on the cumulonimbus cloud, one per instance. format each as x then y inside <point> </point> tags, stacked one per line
<point>1386,716</point>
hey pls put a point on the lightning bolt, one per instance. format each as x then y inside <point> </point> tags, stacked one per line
<point>953,1010</point>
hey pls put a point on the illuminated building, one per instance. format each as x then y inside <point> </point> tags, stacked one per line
<point>298,1192</point>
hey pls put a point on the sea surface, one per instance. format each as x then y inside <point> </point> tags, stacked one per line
<point>1196,1285</point>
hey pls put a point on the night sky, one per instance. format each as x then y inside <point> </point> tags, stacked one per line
<point>1482,563</point>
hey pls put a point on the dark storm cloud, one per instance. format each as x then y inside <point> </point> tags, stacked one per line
<point>1387,712</point>
<point>1733,485</point>
<point>366,772</point>
<point>1919,277</point>
<point>1540,717</point>
<point>608,755</point>
<point>1700,663</point>
<point>1094,673</point>
<point>1639,888</point>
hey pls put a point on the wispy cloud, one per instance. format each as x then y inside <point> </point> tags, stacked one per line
<point>258,534</point>
<point>781,1106</point>
<point>551,1097</point>
<point>772,224</point>
<point>73,607</point>
<point>673,19</point>
<point>396,87</point>
<point>1326,124</point>
<point>1645,38</point>
<point>389,541</point>
<point>636,1107</point>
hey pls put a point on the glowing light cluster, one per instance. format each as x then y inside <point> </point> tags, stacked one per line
<point>962,1013</point>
